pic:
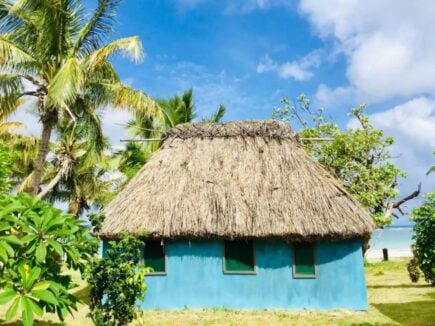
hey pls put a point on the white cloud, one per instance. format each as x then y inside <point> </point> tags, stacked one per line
<point>298,69</point>
<point>412,124</point>
<point>388,44</point>
<point>330,97</point>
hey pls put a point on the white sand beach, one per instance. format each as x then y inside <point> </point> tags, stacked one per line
<point>377,255</point>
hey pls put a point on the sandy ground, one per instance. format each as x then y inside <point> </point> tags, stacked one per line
<point>377,255</point>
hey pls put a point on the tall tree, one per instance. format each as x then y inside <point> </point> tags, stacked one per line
<point>359,157</point>
<point>51,45</point>
<point>79,173</point>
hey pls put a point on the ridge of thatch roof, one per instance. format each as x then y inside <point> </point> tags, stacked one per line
<point>246,179</point>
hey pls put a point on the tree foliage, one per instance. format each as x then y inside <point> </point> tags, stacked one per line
<point>36,242</point>
<point>4,169</point>
<point>424,238</point>
<point>117,283</point>
<point>359,156</point>
<point>64,54</point>
<point>79,170</point>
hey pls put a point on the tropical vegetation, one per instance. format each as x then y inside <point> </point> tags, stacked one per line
<point>56,55</point>
<point>53,52</point>
<point>360,156</point>
<point>37,242</point>
<point>424,238</point>
<point>117,283</point>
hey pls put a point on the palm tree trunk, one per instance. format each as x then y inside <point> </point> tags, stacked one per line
<point>47,127</point>
<point>51,184</point>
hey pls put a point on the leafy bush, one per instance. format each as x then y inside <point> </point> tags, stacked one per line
<point>36,241</point>
<point>424,238</point>
<point>117,282</point>
<point>4,169</point>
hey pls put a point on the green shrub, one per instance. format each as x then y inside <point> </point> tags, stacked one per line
<point>117,282</point>
<point>36,242</point>
<point>424,238</point>
<point>4,170</point>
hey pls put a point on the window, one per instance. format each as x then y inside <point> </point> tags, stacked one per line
<point>304,263</point>
<point>155,257</point>
<point>239,257</point>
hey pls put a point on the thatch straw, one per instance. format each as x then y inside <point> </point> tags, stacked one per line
<point>249,179</point>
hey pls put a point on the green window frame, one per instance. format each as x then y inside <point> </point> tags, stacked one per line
<point>304,260</point>
<point>239,257</point>
<point>154,256</point>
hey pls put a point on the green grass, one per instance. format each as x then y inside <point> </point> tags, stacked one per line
<point>393,299</point>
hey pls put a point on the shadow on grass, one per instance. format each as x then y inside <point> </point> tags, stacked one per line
<point>83,294</point>
<point>409,313</point>
<point>37,322</point>
<point>399,286</point>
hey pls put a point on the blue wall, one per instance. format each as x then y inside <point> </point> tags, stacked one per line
<point>195,278</point>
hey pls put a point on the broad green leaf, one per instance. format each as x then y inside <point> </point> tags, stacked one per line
<point>35,307</point>
<point>33,276</point>
<point>56,246</point>
<point>12,310</point>
<point>7,248</point>
<point>41,252</point>
<point>27,312</point>
<point>11,239</point>
<point>43,285</point>
<point>46,296</point>
<point>62,312</point>
<point>28,238</point>
<point>7,295</point>
<point>3,254</point>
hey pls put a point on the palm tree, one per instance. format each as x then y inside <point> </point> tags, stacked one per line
<point>50,45</point>
<point>174,111</point>
<point>80,171</point>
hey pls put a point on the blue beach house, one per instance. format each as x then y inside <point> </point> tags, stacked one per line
<point>237,215</point>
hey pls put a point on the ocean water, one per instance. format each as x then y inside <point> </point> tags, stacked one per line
<point>392,238</point>
<point>397,240</point>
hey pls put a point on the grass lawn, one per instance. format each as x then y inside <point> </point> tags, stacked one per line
<point>393,299</point>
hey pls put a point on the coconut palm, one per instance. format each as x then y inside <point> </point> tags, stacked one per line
<point>80,171</point>
<point>52,46</point>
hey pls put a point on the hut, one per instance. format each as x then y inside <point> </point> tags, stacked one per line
<point>237,215</point>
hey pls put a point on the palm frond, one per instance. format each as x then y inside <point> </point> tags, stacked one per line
<point>9,103</point>
<point>125,97</point>
<point>10,83</point>
<point>98,27</point>
<point>13,56</point>
<point>66,84</point>
<point>130,47</point>
<point>217,116</point>
<point>8,126</point>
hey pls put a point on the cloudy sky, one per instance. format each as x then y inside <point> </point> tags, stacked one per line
<point>248,54</point>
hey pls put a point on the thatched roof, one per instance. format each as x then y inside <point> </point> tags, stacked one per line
<point>248,179</point>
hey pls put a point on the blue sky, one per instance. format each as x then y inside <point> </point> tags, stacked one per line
<point>248,54</point>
